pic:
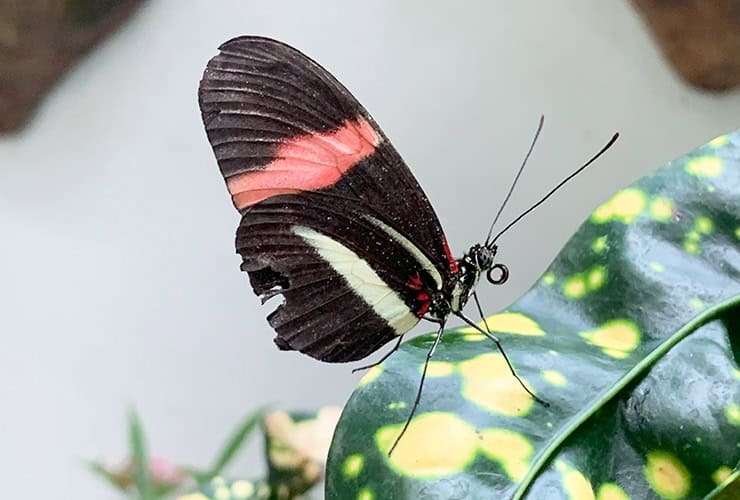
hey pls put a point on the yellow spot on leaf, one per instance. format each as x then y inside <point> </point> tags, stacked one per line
<point>611,491</point>
<point>704,225</point>
<point>596,277</point>
<point>732,412</point>
<point>617,338</point>
<point>514,323</point>
<point>721,474</point>
<point>436,444</point>
<point>601,214</point>
<point>697,304</point>
<point>736,373</point>
<point>575,483</point>
<point>371,375</point>
<point>552,353</point>
<point>487,382</point>
<point>365,494</point>
<point>720,141</point>
<point>554,377</point>
<point>625,206</point>
<point>705,166</point>
<point>661,209</point>
<point>509,322</point>
<point>599,244</point>
<point>667,475</point>
<point>193,496</point>
<point>574,287</point>
<point>511,450</point>
<point>691,247</point>
<point>397,405</point>
<point>737,233</point>
<point>549,278</point>
<point>577,486</point>
<point>473,337</point>
<point>630,204</point>
<point>353,466</point>
<point>242,489</point>
<point>657,267</point>
<point>439,368</point>
<point>577,285</point>
<point>615,353</point>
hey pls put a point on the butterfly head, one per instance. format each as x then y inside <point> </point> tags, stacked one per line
<point>477,261</point>
<point>481,258</point>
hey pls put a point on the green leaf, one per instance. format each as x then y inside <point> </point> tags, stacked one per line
<point>296,445</point>
<point>632,335</point>
<point>140,458</point>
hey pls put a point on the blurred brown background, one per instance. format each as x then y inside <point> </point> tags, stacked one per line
<point>39,39</point>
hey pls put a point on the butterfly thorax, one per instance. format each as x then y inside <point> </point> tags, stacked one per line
<point>460,286</point>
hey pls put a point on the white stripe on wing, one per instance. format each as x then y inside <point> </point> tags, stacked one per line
<point>362,279</point>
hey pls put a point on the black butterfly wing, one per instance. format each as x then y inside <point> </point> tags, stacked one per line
<point>330,213</point>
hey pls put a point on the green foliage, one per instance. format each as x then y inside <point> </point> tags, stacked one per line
<point>296,445</point>
<point>144,483</point>
<point>632,335</point>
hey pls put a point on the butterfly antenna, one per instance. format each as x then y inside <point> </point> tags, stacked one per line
<point>516,179</point>
<point>553,190</point>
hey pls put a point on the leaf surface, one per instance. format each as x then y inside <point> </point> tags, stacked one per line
<point>632,335</point>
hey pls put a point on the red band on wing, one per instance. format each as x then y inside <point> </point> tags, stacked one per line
<point>306,163</point>
<point>415,282</point>
<point>453,262</point>
<point>422,297</point>
<point>423,308</point>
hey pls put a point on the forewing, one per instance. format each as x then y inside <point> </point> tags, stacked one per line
<point>280,123</point>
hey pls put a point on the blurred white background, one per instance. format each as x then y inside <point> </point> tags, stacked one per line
<point>119,285</point>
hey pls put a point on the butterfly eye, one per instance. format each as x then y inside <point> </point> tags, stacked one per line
<point>503,274</point>
<point>483,257</point>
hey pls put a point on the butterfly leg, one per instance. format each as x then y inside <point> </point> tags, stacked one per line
<point>421,385</point>
<point>385,356</point>
<point>487,333</point>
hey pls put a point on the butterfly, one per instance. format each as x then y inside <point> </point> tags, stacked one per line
<point>332,219</point>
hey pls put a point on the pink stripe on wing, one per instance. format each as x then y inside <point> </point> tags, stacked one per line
<point>305,163</point>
